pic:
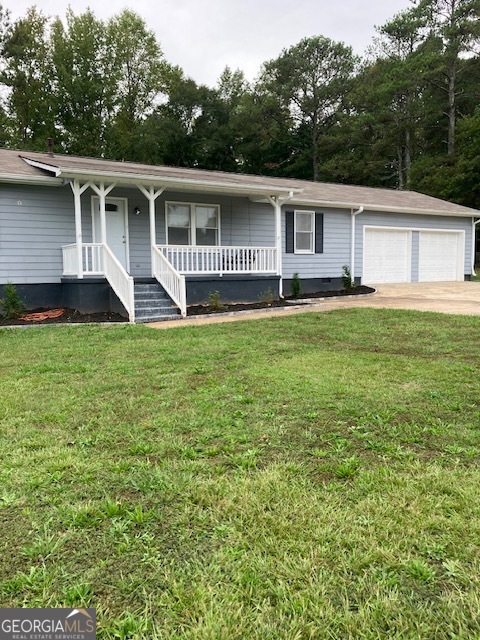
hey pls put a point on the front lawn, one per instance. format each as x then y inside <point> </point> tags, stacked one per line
<point>313,476</point>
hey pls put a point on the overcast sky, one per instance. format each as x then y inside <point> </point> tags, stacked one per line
<point>204,36</point>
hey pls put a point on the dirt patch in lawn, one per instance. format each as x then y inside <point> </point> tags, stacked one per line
<point>202,309</point>
<point>67,316</point>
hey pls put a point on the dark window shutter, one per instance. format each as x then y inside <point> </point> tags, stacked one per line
<point>319,233</point>
<point>289,232</point>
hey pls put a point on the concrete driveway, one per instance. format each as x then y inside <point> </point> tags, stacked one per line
<point>443,297</point>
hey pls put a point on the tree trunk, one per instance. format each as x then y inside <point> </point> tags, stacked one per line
<point>400,167</point>
<point>452,107</point>
<point>315,152</point>
<point>408,157</point>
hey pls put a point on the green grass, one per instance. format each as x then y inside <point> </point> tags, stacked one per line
<point>315,476</point>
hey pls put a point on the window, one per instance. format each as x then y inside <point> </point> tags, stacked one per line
<point>193,224</point>
<point>304,231</point>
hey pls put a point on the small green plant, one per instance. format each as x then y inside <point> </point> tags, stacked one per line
<point>214,301</point>
<point>296,285</point>
<point>11,303</point>
<point>268,297</point>
<point>347,280</point>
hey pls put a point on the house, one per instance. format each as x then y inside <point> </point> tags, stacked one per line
<point>99,235</point>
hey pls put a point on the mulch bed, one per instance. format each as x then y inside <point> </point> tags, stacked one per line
<point>200,309</point>
<point>60,316</point>
<point>71,316</point>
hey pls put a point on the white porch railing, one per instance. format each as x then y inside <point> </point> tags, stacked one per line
<point>92,259</point>
<point>119,280</point>
<point>99,260</point>
<point>170,279</point>
<point>219,260</point>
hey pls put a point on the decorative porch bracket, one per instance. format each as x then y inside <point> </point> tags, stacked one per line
<point>277,202</point>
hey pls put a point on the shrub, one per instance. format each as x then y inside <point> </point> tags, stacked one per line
<point>267,297</point>
<point>214,301</point>
<point>348,283</point>
<point>11,304</point>
<point>296,285</point>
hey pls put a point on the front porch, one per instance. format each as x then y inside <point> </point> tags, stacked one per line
<point>170,265</point>
<point>123,240</point>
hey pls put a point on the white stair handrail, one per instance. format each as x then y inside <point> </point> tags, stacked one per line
<point>170,279</point>
<point>119,280</point>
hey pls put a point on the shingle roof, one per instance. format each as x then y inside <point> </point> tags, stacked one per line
<point>314,193</point>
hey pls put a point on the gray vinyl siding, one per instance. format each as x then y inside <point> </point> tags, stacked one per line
<point>34,224</point>
<point>36,221</point>
<point>412,222</point>
<point>32,233</point>
<point>336,246</point>
<point>242,222</point>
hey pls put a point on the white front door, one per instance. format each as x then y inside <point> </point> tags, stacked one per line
<point>117,229</point>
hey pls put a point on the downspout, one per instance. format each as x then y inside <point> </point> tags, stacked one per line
<point>474,244</point>
<point>352,243</point>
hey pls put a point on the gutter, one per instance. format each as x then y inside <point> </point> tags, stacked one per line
<point>352,242</point>
<point>36,180</point>
<point>385,209</point>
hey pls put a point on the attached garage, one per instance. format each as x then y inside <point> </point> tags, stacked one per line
<point>441,256</point>
<point>393,255</point>
<point>387,255</point>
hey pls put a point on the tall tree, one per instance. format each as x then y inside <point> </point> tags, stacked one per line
<point>141,74</point>
<point>396,88</point>
<point>456,23</point>
<point>85,83</point>
<point>26,73</point>
<point>311,79</point>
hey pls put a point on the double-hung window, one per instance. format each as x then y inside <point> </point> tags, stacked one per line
<point>304,231</point>
<point>193,224</point>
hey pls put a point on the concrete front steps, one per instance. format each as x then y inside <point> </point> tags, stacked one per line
<point>152,303</point>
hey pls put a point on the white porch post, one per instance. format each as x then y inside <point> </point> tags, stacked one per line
<point>151,196</point>
<point>77,198</point>
<point>278,242</point>
<point>276,202</point>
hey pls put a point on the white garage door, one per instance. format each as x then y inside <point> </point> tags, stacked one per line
<point>441,256</point>
<point>387,256</point>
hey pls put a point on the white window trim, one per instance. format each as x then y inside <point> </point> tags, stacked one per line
<point>193,221</point>
<point>124,201</point>
<point>312,232</point>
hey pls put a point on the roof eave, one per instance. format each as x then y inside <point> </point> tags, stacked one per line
<point>384,209</point>
<point>33,180</point>
<point>172,183</point>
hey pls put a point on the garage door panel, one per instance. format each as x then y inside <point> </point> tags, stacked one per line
<point>387,256</point>
<point>440,256</point>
